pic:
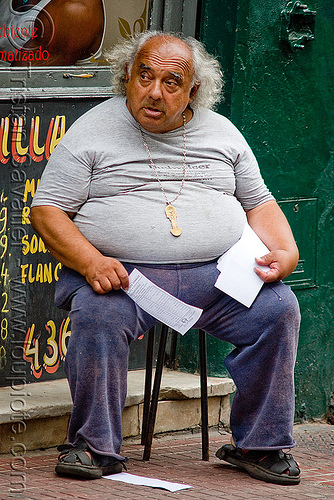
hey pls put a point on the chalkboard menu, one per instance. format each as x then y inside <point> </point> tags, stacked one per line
<point>34,333</point>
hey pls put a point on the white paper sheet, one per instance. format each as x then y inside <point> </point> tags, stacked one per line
<point>124,477</point>
<point>237,276</point>
<point>161,304</point>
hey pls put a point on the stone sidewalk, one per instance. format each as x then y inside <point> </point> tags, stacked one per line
<point>176,458</point>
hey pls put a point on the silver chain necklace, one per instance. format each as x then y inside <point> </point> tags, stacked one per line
<point>170,210</point>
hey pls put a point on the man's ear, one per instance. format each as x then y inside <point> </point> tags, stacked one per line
<point>193,91</point>
<point>126,69</point>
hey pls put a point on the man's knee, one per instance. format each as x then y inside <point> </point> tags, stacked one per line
<point>283,316</point>
<point>285,304</point>
<point>111,311</point>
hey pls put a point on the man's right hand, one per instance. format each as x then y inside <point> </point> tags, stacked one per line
<point>105,274</point>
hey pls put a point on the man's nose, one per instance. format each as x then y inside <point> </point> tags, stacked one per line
<point>156,90</point>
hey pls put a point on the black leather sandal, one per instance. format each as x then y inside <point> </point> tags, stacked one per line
<point>272,466</point>
<point>74,461</point>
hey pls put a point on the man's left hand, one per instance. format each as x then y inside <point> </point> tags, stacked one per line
<point>280,265</point>
<point>270,224</point>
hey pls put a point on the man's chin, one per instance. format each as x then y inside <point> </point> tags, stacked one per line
<point>152,123</point>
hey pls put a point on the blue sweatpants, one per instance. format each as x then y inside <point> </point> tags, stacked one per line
<point>262,364</point>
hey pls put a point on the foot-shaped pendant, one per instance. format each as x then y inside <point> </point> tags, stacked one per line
<point>172,216</point>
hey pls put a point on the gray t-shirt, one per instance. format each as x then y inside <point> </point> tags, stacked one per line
<point>100,170</point>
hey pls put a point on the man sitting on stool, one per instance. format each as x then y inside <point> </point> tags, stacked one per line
<point>103,208</point>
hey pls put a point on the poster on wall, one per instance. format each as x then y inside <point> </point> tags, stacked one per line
<point>55,33</point>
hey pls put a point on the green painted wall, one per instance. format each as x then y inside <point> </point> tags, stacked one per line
<point>282,101</point>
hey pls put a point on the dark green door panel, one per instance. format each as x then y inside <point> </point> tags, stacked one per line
<point>282,100</point>
<point>302,216</point>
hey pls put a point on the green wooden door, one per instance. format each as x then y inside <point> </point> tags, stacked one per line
<point>281,99</point>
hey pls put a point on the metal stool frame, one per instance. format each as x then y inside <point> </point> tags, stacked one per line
<point>151,400</point>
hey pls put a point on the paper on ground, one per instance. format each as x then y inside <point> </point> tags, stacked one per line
<point>124,477</point>
<point>237,276</point>
<point>161,304</point>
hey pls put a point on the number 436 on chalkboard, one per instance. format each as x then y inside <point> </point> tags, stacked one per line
<point>57,348</point>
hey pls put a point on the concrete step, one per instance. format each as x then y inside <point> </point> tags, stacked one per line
<point>36,415</point>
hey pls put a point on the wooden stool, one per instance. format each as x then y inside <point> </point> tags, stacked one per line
<point>151,400</point>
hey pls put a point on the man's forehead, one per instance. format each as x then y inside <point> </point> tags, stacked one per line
<point>171,54</point>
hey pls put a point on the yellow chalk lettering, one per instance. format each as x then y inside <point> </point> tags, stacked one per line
<point>48,273</point>
<point>29,188</point>
<point>57,268</point>
<point>34,244</point>
<point>37,150</point>
<point>58,131</point>
<point>41,246</point>
<point>39,273</point>
<point>25,242</point>
<point>20,150</point>
<point>5,137</point>
<point>31,278</point>
<point>23,272</point>
<point>45,273</point>
<point>25,215</point>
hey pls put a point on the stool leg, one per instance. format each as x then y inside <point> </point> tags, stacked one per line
<point>204,395</point>
<point>171,361</point>
<point>155,393</point>
<point>148,383</point>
